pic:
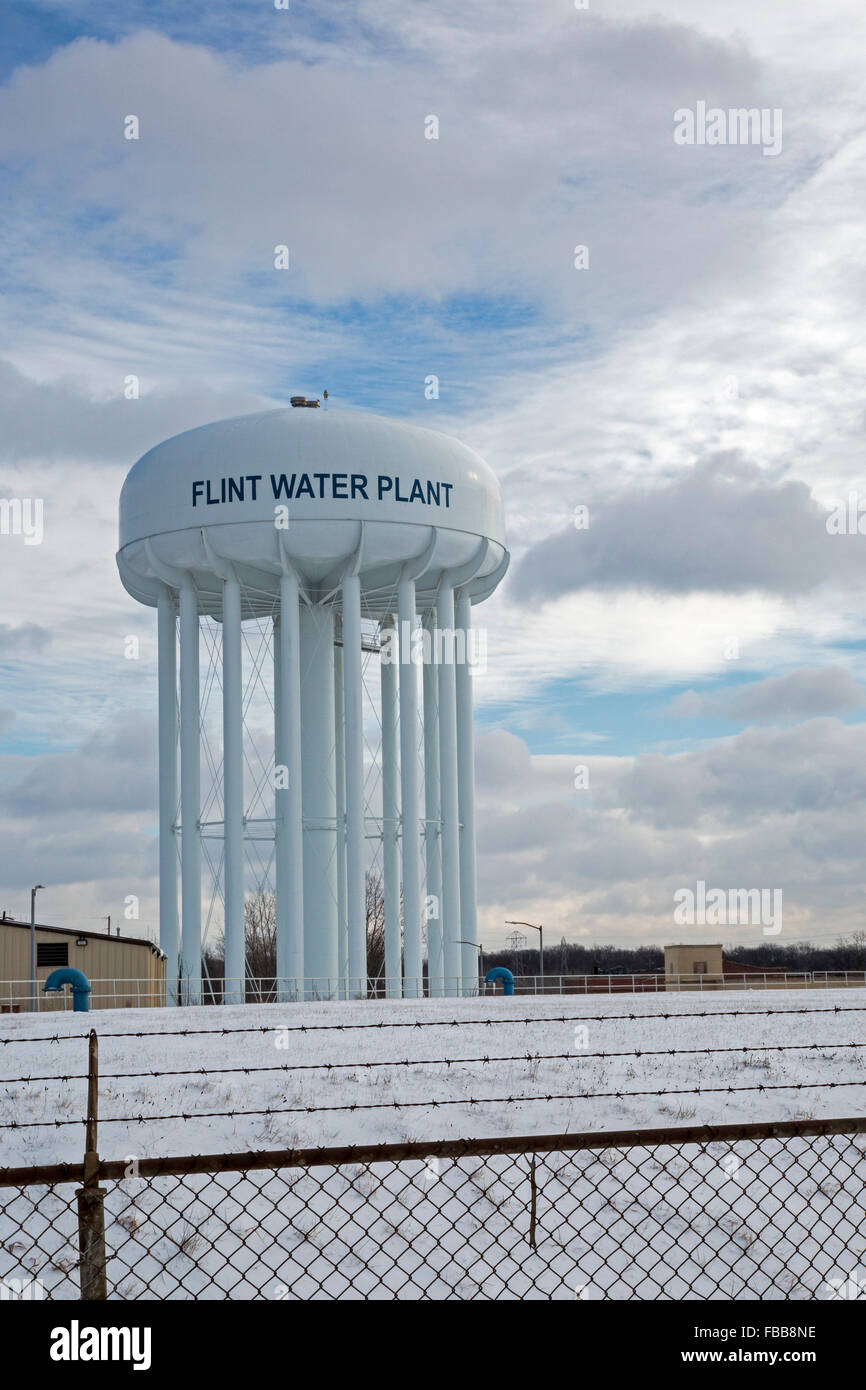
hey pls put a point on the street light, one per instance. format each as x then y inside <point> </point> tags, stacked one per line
<point>480,950</point>
<point>540,931</point>
<point>33,892</point>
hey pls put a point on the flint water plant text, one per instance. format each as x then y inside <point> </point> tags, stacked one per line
<point>332,486</point>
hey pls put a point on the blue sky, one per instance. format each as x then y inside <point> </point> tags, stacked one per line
<point>34,29</point>
<point>698,387</point>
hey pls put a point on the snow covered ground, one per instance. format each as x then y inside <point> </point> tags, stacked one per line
<point>674,1223</point>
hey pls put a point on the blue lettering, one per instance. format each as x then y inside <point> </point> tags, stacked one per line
<point>282,485</point>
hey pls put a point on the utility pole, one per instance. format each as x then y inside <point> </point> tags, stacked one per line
<point>33,892</point>
<point>540,931</point>
<point>480,950</point>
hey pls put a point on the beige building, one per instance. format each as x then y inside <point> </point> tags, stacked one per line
<point>125,972</point>
<point>694,967</point>
<point>702,967</point>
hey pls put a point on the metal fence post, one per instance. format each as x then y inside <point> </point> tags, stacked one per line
<point>91,1197</point>
<point>533,1204</point>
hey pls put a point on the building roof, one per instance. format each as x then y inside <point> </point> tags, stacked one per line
<point>74,931</point>
<point>694,946</point>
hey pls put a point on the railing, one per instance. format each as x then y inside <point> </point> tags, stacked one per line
<point>115,993</point>
<point>15,995</point>
<point>651,983</point>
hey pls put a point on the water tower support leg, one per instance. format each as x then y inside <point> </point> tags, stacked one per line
<point>292,957</point>
<point>233,794</point>
<point>169,926</point>
<point>432,837</point>
<point>466,797</point>
<point>281,889</point>
<point>413,981</point>
<point>340,745</point>
<point>451,930</point>
<point>355,829</point>
<point>190,792</point>
<point>288,801</point>
<point>288,844</point>
<point>318,780</point>
<point>390,820</point>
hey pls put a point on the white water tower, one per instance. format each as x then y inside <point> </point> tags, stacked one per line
<point>335,532</point>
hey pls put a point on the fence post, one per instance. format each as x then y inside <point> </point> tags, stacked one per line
<point>91,1197</point>
<point>533,1203</point>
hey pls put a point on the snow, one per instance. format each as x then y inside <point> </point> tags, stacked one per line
<point>617,1223</point>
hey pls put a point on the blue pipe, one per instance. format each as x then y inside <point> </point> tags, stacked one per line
<point>498,972</point>
<point>80,987</point>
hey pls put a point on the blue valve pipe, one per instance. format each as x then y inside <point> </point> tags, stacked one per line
<point>498,972</point>
<point>80,987</point>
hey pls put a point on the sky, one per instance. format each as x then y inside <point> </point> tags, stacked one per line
<point>676,659</point>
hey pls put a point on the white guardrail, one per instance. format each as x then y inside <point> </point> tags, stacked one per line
<point>16,995</point>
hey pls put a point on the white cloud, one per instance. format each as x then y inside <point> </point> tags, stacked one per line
<point>720,319</point>
<point>766,808</point>
<point>800,694</point>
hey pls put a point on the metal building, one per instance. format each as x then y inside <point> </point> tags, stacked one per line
<point>125,972</point>
<point>340,531</point>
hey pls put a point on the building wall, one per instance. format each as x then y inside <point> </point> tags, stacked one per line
<point>681,973</point>
<point>700,964</point>
<point>122,973</point>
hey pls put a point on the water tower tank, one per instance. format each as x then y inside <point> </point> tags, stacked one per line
<point>343,530</point>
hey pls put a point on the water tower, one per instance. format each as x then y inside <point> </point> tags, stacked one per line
<point>337,534</point>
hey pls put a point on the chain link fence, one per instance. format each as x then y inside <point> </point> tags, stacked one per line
<point>768,1212</point>
<point>746,1211</point>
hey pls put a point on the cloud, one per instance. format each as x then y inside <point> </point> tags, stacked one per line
<point>772,808</point>
<point>57,420</point>
<point>700,387</point>
<point>112,771</point>
<point>23,640</point>
<point>800,694</point>
<point>736,783</point>
<point>331,158</point>
<point>722,525</point>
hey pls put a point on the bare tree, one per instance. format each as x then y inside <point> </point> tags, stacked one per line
<point>374,894</point>
<point>856,945</point>
<point>260,934</point>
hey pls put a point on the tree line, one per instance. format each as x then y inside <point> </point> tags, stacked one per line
<point>562,958</point>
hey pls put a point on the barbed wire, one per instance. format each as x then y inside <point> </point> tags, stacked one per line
<point>437,1104</point>
<point>435,1023</point>
<point>574,1056</point>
